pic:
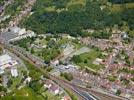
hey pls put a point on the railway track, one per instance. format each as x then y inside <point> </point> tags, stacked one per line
<point>25,57</point>
<point>61,82</point>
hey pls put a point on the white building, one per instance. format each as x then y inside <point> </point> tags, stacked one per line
<point>22,31</point>
<point>14,72</point>
<point>56,62</point>
<point>15,29</point>
<point>97,61</point>
<point>6,61</point>
<point>52,87</point>
<point>23,34</point>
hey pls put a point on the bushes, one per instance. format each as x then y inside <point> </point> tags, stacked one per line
<point>76,59</point>
<point>121,1</point>
<point>101,35</point>
<point>35,85</point>
<point>1,50</point>
<point>67,76</point>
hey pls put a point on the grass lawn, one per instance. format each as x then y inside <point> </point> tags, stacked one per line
<point>74,2</point>
<point>25,93</point>
<point>51,96</point>
<point>49,9</point>
<point>90,57</point>
<point>40,41</point>
<point>16,81</point>
<point>119,7</point>
<point>111,78</point>
<point>70,41</point>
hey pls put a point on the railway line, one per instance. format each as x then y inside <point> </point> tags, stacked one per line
<point>63,83</point>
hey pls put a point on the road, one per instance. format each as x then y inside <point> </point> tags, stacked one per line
<point>30,58</point>
<point>60,81</point>
<point>37,62</point>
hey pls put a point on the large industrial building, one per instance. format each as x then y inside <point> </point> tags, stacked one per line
<point>6,61</point>
<point>15,33</point>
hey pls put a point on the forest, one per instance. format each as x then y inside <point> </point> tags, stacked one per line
<point>121,1</point>
<point>52,16</point>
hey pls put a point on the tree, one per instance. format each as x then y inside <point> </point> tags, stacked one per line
<point>85,61</point>
<point>118,92</point>
<point>46,97</point>
<point>24,73</point>
<point>131,34</point>
<point>76,59</point>
<point>1,50</point>
<point>67,76</point>
<point>3,88</point>
<point>32,51</point>
<point>35,85</point>
<point>9,83</point>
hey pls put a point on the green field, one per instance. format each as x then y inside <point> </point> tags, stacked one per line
<point>120,7</point>
<point>25,93</point>
<point>86,60</point>
<point>51,96</point>
<point>75,2</point>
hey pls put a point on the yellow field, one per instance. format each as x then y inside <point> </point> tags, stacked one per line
<point>120,7</point>
<point>73,2</point>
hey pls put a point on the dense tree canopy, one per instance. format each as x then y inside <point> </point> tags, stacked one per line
<point>56,17</point>
<point>128,16</point>
<point>121,1</point>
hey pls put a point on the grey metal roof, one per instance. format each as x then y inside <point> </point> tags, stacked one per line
<point>9,35</point>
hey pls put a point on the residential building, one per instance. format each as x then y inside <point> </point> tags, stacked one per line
<point>14,72</point>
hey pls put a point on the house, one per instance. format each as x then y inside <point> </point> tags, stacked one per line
<point>52,87</point>
<point>14,72</point>
<point>55,62</point>
<point>124,35</point>
<point>66,98</point>
<point>48,84</point>
<point>15,29</point>
<point>28,79</point>
<point>22,31</point>
<point>55,89</point>
<point>97,61</point>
